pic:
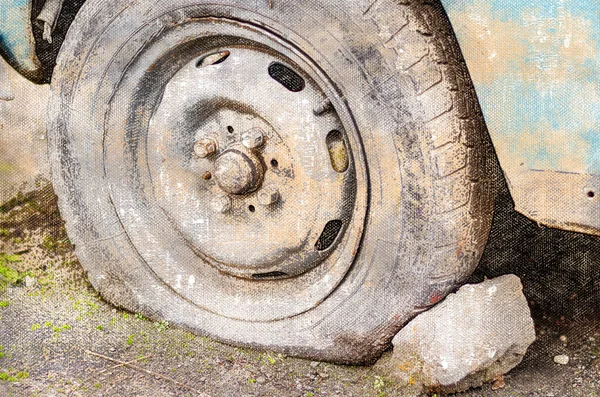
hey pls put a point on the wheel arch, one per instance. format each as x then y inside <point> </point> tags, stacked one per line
<point>539,95</point>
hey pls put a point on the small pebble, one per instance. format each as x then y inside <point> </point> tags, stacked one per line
<point>260,379</point>
<point>314,364</point>
<point>30,281</point>
<point>563,338</point>
<point>498,383</point>
<point>561,359</point>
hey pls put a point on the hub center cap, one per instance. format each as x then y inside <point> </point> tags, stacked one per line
<point>238,171</point>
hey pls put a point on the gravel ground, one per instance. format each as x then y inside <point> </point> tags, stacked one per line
<point>57,337</point>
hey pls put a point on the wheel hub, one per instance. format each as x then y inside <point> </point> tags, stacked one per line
<point>238,171</point>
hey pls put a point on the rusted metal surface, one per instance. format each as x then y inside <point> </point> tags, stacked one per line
<point>17,44</point>
<point>267,153</point>
<point>535,65</point>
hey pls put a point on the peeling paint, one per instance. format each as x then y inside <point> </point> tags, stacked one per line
<point>535,66</point>
<point>17,44</point>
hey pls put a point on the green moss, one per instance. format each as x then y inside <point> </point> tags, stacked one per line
<point>99,327</point>
<point>130,339</point>
<point>35,326</point>
<point>11,376</point>
<point>50,244</point>
<point>7,272</point>
<point>161,325</point>
<point>85,307</point>
<point>6,167</point>
<point>20,199</point>
<point>4,303</point>
<point>1,351</point>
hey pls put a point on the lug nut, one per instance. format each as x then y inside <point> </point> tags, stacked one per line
<point>205,147</point>
<point>268,195</point>
<point>221,204</point>
<point>253,138</point>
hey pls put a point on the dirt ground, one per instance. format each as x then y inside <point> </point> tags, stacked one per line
<point>58,338</point>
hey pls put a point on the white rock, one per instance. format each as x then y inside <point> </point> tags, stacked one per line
<point>30,281</point>
<point>473,336</point>
<point>561,359</point>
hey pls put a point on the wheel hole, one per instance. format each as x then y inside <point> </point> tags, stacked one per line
<point>338,154</point>
<point>274,163</point>
<point>328,235</point>
<point>230,129</point>
<point>213,59</point>
<point>591,194</point>
<point>251,208</point>
<point>269,275</point>
<point>286,77</point>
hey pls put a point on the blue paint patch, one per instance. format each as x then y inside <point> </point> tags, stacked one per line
<point>16,38</point>
<point>542,106</point>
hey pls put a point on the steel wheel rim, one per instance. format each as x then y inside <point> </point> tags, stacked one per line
<point>203,280</point>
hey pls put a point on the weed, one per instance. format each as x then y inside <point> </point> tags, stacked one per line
<point>161,325</point>
<point>130,339</point>
<point>87,308</point>
<point>50,244</point>
<point>1,351</point>
<point>140,317</point>
<point>35,326</point>
<point>11,376</point>
<point>12,276</point>
<point>4,303</point>
<point>379,385</point>
<point>99,327</point>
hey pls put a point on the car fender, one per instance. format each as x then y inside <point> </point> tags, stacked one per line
<point>17,43</point>
<point>535,65</point>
